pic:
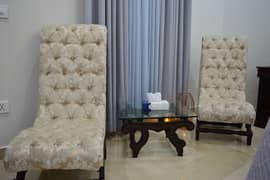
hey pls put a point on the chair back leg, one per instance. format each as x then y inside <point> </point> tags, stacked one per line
<point>20,175</point>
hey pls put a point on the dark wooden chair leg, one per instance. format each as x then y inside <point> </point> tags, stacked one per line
<point>20,175</point>
<point>101,173</point>
<point>249,134</point>
<point>105,150</point>
<point>197,132</point>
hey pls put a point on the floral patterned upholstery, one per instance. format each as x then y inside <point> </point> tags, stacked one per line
<point>69,130</point>
<point>222,81</point>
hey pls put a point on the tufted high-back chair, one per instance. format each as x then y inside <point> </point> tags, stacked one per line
<point>223,80</point>
<point>72,72</point>
<point>69,130</point>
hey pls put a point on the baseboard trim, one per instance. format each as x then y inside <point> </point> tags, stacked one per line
<point>2,152</point>
<point>3,147</point>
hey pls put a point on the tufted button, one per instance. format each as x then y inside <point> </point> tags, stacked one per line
<point>90,58</point>
<point>98,43</point>
<point>34,143</point>
<point>240,108</point>
<point>89,116</point>
<point>58,142</point>
<point>73,88</point>
<point>65,103</point>
<point>47,103</point>
<point>81,103</point>
<point>80,144</point>
<point>56,57</point>
<point>89,88</point>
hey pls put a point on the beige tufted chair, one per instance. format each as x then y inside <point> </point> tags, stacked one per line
<point>222,99</point>
<point>69,130</point>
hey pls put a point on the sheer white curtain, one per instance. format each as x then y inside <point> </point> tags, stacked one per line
<point>113,14</point>
<point>138,60</point>
<point>148,49</point>
<point>158,39</point>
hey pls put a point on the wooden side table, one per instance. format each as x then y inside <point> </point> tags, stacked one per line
<point>168,121</point>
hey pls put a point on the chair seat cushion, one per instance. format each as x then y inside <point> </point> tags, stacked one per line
<point>63,144</point>
<point>226,111</point>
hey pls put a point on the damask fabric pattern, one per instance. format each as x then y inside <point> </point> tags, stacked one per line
<point>70,127</point>
<point>222,81</point>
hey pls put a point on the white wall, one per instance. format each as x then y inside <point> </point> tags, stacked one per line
<point>251,19</point>
<point>232,17</point>
<point>206,19</point>
<point>19,56</point>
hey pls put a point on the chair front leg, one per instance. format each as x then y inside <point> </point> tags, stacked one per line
<point>21,175</point>
<point>249,134</point>
<point>101,173</point>
<point>197,132</point>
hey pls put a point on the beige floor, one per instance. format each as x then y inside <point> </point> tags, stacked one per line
<point>214,157</point>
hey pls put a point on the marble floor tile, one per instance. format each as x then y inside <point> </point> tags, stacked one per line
<point>214,157</point>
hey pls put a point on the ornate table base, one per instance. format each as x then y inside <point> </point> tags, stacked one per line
<point>144,127</point>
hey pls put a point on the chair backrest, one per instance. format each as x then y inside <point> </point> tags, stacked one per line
<point>223,68</point>
<point>72,81</point>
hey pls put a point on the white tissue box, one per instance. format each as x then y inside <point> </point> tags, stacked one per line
<point>159,105</point>
<point>153,97</point>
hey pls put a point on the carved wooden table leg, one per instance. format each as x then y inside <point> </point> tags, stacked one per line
<point>176,141</point>
<point>169,128</point>
<point>136,146</point>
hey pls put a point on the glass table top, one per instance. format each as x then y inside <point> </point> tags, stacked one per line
<point>173,114</point>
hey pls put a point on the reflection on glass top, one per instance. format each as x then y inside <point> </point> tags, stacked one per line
<point>132,113</point>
